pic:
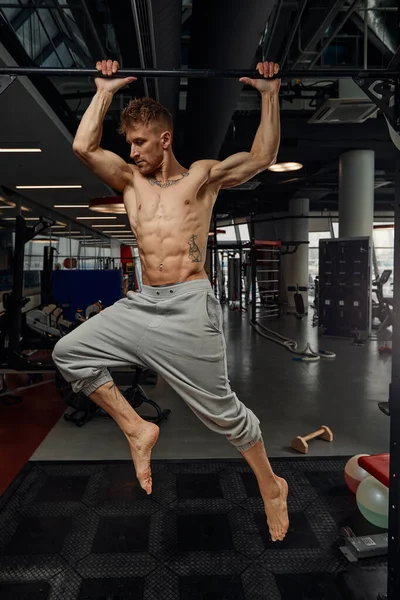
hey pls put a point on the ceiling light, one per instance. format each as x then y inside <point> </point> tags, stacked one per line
<point>20,150</point>
<point>92,218</point>
<point>5,207</point>
<point>108,204</point>
<point>48,187</point>
<point>115,225</point>
<point>71,205</point>
<point>285,166</point>
<point>58,226</point>
<point>116,231</point>
<point>7,203</point>
<point>25,218</point>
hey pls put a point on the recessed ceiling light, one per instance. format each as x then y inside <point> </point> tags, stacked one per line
<point>25,218</point>
<point>20,150</point>
<point>285,166</point>
<point>101,226</point>
<point>93,218</point>
<point>48,187</point>
<point>71,205</point>
<point>107,231</point>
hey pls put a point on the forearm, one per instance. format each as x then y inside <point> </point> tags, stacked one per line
<point>266,142</point>
<point>88,135</point>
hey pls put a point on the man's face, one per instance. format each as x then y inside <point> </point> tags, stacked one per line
<point>146,147</point>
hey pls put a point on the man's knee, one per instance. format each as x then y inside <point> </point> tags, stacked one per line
<point>61,351</point>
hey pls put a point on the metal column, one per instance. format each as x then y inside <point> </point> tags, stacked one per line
<point>394,394</point>
<point>215,249</point>
<point>15,308</point>
<point>253,256</point>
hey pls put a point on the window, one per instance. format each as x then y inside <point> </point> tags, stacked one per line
<point>244,232</point>
<point>384,251</point>
<point>228,236</point>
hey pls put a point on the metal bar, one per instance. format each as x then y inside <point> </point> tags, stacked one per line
<point>394,408</point>
<point>203,73</point>
<point>41,7</point>
<point>216,262</point>
<point>253,255</point>
<point>15,309</point>
<point>348,14</point>
<point>365,40</point>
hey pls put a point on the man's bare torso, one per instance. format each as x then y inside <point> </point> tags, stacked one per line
<point>171,225</point>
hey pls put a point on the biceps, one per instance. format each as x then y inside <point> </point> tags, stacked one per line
<point>234,170</point>
<point>109,167</point>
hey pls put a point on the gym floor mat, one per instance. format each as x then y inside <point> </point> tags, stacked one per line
<point>86,530</point>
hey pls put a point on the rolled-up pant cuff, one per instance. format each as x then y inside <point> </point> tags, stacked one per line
<point>249,445</point>
<point>92,385</point>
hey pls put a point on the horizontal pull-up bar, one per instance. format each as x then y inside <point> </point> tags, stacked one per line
<point>204,73</point>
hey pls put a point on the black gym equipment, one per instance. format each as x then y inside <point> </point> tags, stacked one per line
<point>203,73</point>
<point>382,306</point>
<point>298,299</point>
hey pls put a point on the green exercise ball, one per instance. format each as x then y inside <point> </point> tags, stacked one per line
<point>373,501</point>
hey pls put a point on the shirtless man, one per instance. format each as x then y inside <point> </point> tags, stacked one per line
<point>174,324</point>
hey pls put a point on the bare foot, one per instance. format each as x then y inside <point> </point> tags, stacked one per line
<point>276,511</point>
<point>141,444</point>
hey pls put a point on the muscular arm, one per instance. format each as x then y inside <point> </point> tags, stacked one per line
<point>109,167</point>
<point>241,167</point>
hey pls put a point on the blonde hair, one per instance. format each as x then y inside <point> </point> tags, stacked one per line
<point>145,111</point>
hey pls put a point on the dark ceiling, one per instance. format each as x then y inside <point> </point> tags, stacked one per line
<point>214,118</point>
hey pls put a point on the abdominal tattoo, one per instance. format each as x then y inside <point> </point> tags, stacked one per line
<point>195,253</point>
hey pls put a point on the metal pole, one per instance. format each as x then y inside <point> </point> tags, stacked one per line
<point>215,248</point>
<point>16,304</point>
<point>240,279</point>
<point>204,73</point>
<point>253,255</point>
<point>394,393</point>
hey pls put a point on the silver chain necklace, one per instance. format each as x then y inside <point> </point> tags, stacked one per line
<point>168,183</point>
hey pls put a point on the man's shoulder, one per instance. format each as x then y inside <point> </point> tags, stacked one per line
<point>203,165</point>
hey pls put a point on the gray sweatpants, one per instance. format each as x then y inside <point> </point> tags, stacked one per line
<point>175,330</point>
